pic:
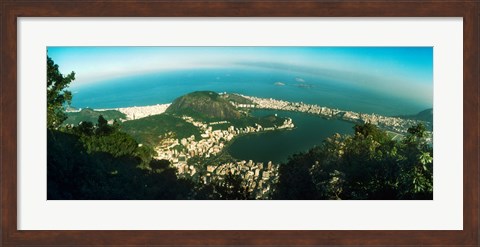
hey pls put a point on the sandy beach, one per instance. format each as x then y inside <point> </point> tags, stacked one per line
<point>136,112</point>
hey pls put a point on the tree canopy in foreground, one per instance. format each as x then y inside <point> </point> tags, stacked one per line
<point>366,165</point>
<point>57,95</point>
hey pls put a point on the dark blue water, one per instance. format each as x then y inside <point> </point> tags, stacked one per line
<point>277,146</point>
<point>164,87</point>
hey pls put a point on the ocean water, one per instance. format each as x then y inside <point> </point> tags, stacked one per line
<point>164,87</point>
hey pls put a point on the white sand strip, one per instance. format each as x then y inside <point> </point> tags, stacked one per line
<point>137,112</point>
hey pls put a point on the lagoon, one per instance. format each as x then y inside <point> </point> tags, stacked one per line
<point>277,146</point>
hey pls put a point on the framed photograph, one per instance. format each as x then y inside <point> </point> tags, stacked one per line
<point>233,123</point>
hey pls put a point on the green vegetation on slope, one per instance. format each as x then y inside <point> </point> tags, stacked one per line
<point>236,99</point>
<point>75,173</point>
<point>209,107</point>
<point>204,104</point>
<point>367,165</point>
<point>57,95</point>
<point>103,137</point>
<point>425,115</point>
<point>150,130</point>
<point>89,115</point>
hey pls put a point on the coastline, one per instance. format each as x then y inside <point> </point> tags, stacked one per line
<point>394,124</point>
<point>216,143</point>
<point>137,112</point>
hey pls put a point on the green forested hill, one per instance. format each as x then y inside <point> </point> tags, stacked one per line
<point>209,106</point>
<point>425,115</point>
<point>90,115</point>
<point>237,99</point>
<point>204,104</point>
<point>149,130</point>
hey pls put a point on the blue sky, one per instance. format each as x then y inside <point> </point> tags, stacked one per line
<point>400,71</point>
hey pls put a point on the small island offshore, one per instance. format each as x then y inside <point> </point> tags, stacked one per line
<point>194,148</point>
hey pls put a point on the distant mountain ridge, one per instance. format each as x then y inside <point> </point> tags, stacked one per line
<point>206,104</point>
<point>425,115</point>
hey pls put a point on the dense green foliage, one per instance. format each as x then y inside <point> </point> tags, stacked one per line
<point>89,115</point>
<point>99,162</point>
<point>229,188</point>
<point>150,130</point>
<point>205,104</point>
<point>425,115</point>
<point>117,143</point>
<point>74,172</point>
<point>236,99</point>
<point>368,165</point>
<point>57,95</point>
<point>103,137</point>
